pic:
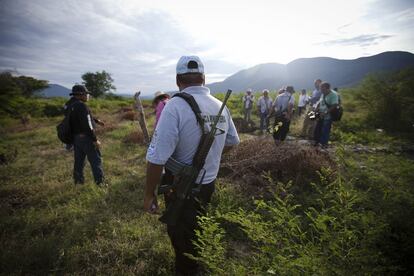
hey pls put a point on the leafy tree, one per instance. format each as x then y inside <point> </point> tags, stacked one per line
<point>98,83</point>
<point>29,85</point>
<point>389,100</point>
<point>20,85</point>
<point>14,90</point>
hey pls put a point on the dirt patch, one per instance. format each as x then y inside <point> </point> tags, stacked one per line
<point>124,110</point>
<point>12,199</point>
<point>243,126</point>
<point>135,137</point>
<point>129,116</point>
<point>256,159</point>
<point>109,126</point>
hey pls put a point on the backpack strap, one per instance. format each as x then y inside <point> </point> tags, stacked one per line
<point>194,106</point>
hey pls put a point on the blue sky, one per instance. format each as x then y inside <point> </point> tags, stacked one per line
<point>139,42</point>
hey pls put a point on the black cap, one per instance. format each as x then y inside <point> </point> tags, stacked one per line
<point>78,89</point>
<point>290,89</point>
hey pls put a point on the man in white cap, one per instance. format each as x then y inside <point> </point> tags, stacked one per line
<point>248,100</point>
<point>177,136</point>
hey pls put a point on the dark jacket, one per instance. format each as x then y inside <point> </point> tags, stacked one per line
<point>71,101</point>
<point>81,120</point>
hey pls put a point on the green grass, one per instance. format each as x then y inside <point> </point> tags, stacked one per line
<point>50,226</point>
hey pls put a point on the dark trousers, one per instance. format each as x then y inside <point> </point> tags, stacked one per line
<point>300,109</point>
<point>84,147</point>
<point>183,233</point>
<point>264,121</point>
<point>322,131</point>
<point>282,131</point>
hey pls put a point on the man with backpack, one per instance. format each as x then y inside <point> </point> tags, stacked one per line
<point>329,110</point>
<point>82,126</point>
<point>283,109</point>
<point>178,136</point>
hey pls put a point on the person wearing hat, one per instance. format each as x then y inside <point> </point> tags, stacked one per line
<point>264,104</point>
<point>160,100</point>
<point>283,110</point>
<point>177,136</point>
<point>309,124</point>
<point>248,100</point>
<point>85,142</point>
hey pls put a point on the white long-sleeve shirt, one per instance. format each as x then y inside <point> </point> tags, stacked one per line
<point>303,99</point>
<point>265,104</point>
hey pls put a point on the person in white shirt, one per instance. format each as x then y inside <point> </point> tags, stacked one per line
<point>264,105</point>
<point>177,136</point>
<point>283,110</point>
<point>303,101</point>
<point>316,94</point>
<point>248,101</point>
<point>309,124</point>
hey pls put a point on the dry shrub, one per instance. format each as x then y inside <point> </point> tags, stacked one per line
<point>243,126</point>
<point>125,109</point>
<point>247,164</point>
<point>107,127</point>
<point>135,137</point>
<point>129,115</point>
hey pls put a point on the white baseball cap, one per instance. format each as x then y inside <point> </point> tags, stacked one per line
<point>189,64</point>
<point>249,90</point>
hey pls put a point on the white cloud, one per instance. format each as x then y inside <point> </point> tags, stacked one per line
<point>140,41</point>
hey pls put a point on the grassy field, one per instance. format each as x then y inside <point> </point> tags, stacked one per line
<point>50,226</point>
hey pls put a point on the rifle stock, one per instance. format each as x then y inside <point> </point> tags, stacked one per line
<point>189,174</point>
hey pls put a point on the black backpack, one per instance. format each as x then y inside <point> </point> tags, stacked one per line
<point>64,132</point>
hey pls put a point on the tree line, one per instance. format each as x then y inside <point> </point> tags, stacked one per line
<point>387,98</point>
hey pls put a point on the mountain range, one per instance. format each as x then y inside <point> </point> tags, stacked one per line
<point>302,72</point>
<point>55,90</point>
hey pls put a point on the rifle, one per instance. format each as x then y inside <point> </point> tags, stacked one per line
<point>187,175</point>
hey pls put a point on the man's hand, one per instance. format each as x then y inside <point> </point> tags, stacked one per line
<point>99,122</point>
<point>97,144</point>
<point>154,173</point>
<point>151,204</point>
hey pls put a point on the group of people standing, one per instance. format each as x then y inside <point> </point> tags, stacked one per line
<point>179,126</point>
<point>322,101</point>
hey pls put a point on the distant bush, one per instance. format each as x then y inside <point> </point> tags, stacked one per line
<point>389,100</point>
<point>112,96</point>
<point>52,110</point>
